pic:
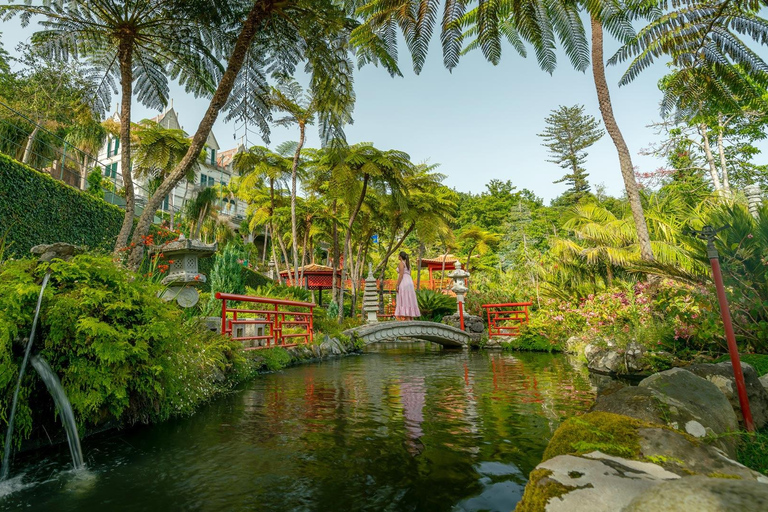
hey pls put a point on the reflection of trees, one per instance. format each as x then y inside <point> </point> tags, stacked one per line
<point>388,431</point>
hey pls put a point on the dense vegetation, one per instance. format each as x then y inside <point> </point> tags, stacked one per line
<point>36,209</point>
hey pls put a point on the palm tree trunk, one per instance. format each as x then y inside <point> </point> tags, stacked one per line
<point>250,27</point>
<point>469,258</point>
<point>625,159</point>
<point>294,236</point>
<point>348,236</point>
<point>335,256</point>
<point>125,58</point>
<point>721,151</point>
<point>30,142</point>
<point>264,248</point>
<point>703,129</point>
<point>418,267</point>
<point>442,270</point>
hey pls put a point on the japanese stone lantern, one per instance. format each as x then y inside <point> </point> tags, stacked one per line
<point>183,275</point>
<point>459,287</point>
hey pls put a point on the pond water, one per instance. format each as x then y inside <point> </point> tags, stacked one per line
<point>400,427</point>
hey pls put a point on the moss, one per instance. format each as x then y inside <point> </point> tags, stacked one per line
<point>540,490</point>
<point>661,460</point>
<point>609,433</point>
<point>724,475</point>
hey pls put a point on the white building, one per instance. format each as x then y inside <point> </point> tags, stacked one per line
<point>216,170</point>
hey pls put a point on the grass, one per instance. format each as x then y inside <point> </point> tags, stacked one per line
<point>753,450</point>
<point>758,361</point>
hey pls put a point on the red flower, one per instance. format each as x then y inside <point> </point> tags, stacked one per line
<point>197,278</point>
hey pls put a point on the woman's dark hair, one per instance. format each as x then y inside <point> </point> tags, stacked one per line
<point>404,257</point>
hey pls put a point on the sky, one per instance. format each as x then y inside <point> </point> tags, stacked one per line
<point>479,122</point>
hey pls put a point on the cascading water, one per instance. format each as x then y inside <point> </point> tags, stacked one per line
<point>9,435</point>
<point>62,404</point>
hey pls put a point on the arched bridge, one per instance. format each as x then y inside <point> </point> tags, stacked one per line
<point>445,335</point>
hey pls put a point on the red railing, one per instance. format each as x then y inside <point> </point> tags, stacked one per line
<point>506,319</point>
<point>270,315</point>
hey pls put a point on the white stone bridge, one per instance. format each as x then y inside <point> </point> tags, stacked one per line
<point>442,334</point>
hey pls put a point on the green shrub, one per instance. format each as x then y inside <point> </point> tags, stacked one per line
<point>123,355</point>
<point>226,276</point>
<point>95,182</point>
<point>40,210</point>
<point>434,305</point>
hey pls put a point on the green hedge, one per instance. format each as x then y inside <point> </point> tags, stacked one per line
<point>37,209</point>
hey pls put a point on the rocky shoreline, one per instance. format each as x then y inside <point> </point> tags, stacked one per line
<point>667,444</point>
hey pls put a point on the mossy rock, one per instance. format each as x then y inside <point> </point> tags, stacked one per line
<point>613,434</point>
<point>540,490</point>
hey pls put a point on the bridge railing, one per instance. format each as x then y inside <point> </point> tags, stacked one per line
<point>506,319</point>
<point>268,322</point>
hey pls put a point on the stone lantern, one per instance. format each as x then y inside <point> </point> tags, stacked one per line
<point>371,297</point>
<point>183,275</point>
<point>754,199</point>
<point>459,277</point>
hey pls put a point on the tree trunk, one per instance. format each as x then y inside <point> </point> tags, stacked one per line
<point>125,58</point>
<point>625,159</point>
<point>335,256</point>
<point>710,158</point>
<point>469,257</point>
<point>348,237</point>
<point>250,27</point>
<point>30,142</point>
<point>264,248</point>
<point>418,267</point>
<point>721,151</point>
<point>442,269</point>
<point>294,235</point>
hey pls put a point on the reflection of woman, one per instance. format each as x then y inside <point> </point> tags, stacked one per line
<point>407,307</point>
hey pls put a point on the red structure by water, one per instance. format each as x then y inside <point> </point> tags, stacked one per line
<point>506,319</point>
<point>270,322</point>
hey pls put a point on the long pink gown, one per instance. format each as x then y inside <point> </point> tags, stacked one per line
<point>406,297</point>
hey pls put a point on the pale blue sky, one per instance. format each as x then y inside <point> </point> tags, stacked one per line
<point>479,122</point>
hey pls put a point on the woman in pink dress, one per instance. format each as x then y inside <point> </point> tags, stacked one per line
<point>407,307</point>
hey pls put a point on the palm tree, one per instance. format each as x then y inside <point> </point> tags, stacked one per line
<point>351,170</point>
<point>255,165</point>
<point>133,42</point>
<point>272,38</point>
<point>300,108</point>
<point>198,209</point>
<point>477,239</point>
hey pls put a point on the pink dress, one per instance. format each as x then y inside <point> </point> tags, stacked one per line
<point>406,297</point>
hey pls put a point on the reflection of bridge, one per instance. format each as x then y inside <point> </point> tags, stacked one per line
<point>445,335</point>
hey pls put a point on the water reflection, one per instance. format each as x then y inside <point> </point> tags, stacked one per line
<point>398,428</point>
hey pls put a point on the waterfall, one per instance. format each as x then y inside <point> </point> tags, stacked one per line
<point>62,404</point>
<point>9,435</point>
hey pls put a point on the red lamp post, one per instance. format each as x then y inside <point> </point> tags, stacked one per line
<point>709,234</point>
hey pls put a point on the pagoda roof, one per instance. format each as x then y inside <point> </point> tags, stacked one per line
<point>449,259</point>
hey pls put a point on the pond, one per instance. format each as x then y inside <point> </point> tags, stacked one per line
<point>401,427</point>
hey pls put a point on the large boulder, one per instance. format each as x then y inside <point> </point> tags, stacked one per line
<point>694,405</point>
<point>472,323</point>
<point>682,455</point>
<point>634,401</point>
<point>702,494</point>
<point>593,482</point>
<point>602,461</point>
<point>721,375</point>
<point>610,359</point>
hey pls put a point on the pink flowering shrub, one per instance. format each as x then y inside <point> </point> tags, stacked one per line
<point>665,316</point>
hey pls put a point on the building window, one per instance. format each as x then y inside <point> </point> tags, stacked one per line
<point>206,181</point>
<point>213,157</point>
<point>110,171</point>
<point>113,144</point>
<point>166,202</point>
